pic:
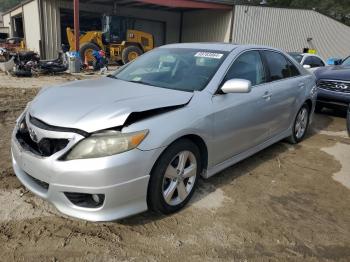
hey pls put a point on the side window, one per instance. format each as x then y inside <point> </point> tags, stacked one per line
<point>318,62</point>
<point>294,71</point>
<point>279,66</point>
<point>248,66</point>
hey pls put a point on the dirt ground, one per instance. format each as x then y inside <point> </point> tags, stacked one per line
<point>287,203</point>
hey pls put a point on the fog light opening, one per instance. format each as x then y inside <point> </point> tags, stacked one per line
<point>96,198</point>
<point>86,200</point>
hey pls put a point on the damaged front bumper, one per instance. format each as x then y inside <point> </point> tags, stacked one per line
<point>99,189</point>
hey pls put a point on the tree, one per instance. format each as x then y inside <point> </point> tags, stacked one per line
<point>7,4</point>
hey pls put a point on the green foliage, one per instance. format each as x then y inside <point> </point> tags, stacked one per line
<point>6,4</point>
<point>338,9</point>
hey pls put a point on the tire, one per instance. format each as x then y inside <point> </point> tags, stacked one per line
<point>318,109</point>
<point>160,183</point>
<point>348,121</point>
<point>297,137</point>
<point>58,69</point>
<point>85,48</point>
<point>130,53</point>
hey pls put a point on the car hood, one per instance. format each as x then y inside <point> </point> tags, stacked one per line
<point>99,104</point>
<point>334,73</point>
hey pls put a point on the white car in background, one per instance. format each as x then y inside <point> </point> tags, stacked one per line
<point>310,62</point>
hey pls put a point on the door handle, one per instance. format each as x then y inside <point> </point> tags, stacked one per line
<point>301,85</point>
<point>267,96</point>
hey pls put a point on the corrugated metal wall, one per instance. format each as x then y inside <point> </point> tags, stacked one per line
<point>51,29</point>
<point>206,26</point>
<point>289,29</point>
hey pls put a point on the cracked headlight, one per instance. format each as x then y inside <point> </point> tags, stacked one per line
<point>106,144</point>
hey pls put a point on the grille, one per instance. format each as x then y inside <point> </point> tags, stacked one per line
<point>45,147</point>
<point>337,86</point>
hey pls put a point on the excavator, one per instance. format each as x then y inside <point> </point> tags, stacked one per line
<point>119,41</point>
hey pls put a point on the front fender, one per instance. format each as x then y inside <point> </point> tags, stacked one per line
<point>192,119</point>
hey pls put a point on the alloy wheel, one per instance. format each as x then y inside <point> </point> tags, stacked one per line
<point>179,178</point>
<point>301,123</point>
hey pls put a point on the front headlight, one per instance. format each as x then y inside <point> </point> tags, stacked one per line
<point>22,115</point>
<point>106,144</point>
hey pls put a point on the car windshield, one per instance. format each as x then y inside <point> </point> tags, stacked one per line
<point>174,68</point>
<point>346,62</point>
<point>298,57</point>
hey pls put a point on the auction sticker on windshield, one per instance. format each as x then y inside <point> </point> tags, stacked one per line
<point>209,55</point>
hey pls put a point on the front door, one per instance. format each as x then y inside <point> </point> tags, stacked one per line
<point>241,121</point>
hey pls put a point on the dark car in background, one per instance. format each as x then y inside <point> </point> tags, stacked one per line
<point>310,62</point>
<point>333,84</point>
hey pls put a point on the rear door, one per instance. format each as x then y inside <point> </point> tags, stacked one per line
<point>286,85</point>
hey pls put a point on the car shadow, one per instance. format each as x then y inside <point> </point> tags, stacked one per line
<point>328,119</point>
<point>334,112</point>
<point>322,121</point>
<point>227,176</point>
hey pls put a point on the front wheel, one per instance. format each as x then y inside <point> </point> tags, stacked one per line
<point>174,177</point>
<point>301,125</point>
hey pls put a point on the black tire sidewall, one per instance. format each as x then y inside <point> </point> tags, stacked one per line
<point>87,46</point>
<point>129,49</point>
<point>348,120</point>
<point>155,198</point>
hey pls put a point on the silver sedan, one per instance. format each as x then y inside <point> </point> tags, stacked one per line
<point>140,138</point>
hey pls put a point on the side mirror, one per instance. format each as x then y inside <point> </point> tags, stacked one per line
<point>307,66</point>
<point>338,62</point>
<point>236,86</point>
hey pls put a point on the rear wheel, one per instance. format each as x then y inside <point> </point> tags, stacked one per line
<point>130,53</point>
<point>174,177</point>
<point>348,120</point>
<point>301,125</point>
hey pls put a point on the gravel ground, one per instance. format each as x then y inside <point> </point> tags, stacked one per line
<point>287,203</point>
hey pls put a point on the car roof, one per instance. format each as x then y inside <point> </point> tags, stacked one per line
<point>302,54</point>
<point>228,47</point>
<point>296,53</point>
<point>208,46</point>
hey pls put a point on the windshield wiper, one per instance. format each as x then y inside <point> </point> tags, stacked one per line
<point>134,81</point>
<point>112,76</point>
<point>139,82</point>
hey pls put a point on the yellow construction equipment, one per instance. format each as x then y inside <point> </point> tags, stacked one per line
<point>118,41</point>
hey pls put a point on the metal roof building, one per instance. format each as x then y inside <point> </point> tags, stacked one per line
<point>42,23</point>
